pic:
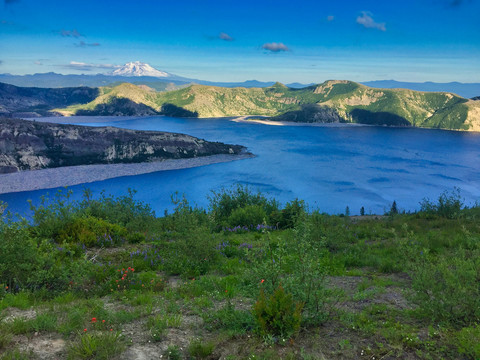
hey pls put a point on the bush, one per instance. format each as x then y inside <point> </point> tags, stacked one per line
<point>19,254</point>
<point>123,210</point>
<point>250,216</point>
<point>52,216</point>
<point>199,350</point>
<point>448,206</point>
<point>91,231</point>
<point>447,290</point>
<point>468,342</point>
<point>288,217</point>
<point>277,315</point>
<point>225,202</point>
<point>97,345</point>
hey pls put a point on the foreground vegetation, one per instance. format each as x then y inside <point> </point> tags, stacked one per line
<point>246,279</point>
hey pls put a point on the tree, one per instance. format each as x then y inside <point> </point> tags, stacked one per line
<point>393,209</point>
<point>362,211</point>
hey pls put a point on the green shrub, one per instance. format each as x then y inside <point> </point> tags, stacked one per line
<point>15,354</point>
<point>249,216</point>
<point>22,259</point>
<point>91,231</point>
<point>277,315</point>
<point>135,237</point>
<point>449,205</point>
<point>5,338</point>
<point>227,318</point>
<point>447,289</point>
<point>173,353</point>
<point>226,201</point>
<point>200,350</point>
<point>97,345</point>
<point>468,342</point>
<point>158,324</point>
<point>122,210</point>
<point>288,217</point>
<point>51,215</point>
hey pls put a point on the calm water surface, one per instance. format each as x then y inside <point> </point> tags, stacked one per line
<point>328,167</point>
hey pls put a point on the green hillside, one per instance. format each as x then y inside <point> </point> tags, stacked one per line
<point>334,100</point>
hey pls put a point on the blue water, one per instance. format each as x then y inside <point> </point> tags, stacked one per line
<point>329,167</point>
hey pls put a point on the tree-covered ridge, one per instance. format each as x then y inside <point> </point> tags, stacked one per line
<point>335,101</point>
<point>332,101</point>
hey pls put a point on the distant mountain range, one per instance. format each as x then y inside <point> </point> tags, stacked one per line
<point>467,90</point>
<point>331,101</point>
<point>139,73</point>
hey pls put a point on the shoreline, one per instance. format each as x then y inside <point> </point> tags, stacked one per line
<point>31,180</point>
<point>237,119</point>
<point>245,120</point>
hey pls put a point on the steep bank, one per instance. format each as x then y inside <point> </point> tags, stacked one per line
<point>30,145</point>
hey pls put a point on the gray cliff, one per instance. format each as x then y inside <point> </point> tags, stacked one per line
<point>29,145</point>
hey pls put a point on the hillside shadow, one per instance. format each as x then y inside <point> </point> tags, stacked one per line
<point>31,99</point>
<point>311,113</point>
<point>363,116</point>
<point>118,107</point>
<point>176,111</point>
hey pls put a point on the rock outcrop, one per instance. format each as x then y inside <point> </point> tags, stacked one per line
<point>29,145</point>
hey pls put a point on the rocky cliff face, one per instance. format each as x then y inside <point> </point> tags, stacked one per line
<point>28,145</point>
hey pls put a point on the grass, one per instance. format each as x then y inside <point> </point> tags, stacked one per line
<point>349,289</point>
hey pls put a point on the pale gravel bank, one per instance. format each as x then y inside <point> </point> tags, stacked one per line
<point>265,121</point>
<point>74,175</point>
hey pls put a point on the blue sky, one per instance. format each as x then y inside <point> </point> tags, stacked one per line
<point>287,41</point>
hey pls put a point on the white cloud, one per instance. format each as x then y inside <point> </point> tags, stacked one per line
<point>275,47</point>
<point>70,33</point>
<point>367,21</point>
<point>84,44</point>
<point>76,65</point>
<point>225,36</point>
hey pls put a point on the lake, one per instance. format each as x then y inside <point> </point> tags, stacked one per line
<point>330,167</point>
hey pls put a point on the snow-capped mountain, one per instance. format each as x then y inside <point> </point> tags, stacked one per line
<point>138,68</point>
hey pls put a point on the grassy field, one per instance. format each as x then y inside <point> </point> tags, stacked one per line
<point>246,278</point>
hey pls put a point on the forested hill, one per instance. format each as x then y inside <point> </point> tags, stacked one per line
<point>332,101</point>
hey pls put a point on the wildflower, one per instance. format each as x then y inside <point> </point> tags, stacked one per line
<point>111,329</point>
<point>263,280</point>
<point>6,287</point>
<point>103,321</point>
<point>84,330</point>
<point>94,320</point>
